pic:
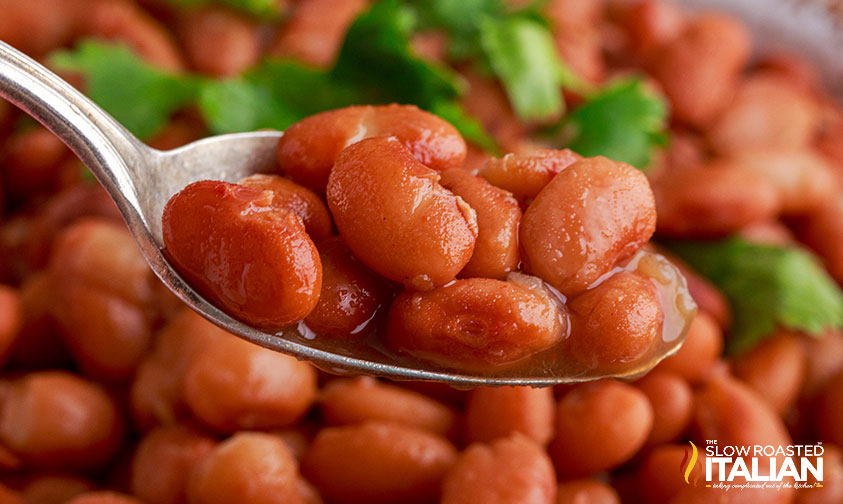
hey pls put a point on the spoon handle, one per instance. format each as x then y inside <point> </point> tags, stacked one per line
<point>105,146</point>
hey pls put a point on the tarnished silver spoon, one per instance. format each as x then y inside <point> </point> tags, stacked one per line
<point>141,180</point>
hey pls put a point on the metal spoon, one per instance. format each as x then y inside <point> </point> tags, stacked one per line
<point>141,180</point>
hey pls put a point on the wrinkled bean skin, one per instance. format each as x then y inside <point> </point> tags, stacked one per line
<point>599,425</point>
<point>297,200</point>
<point>255,261</point>
<point>700,69</point>
<point>219,41</point>
<point>475,323</point>
<point>496,412</point>
<point>394,215</point>
<point>249,467</point>
<point>591,215</point>
<point>351,297</point>
<point>775,369</point>
<point>698,354</point>
<point>236,385</point>
<point>617,322</point>
<point>56,420</point>
<point>357,400</point>
<point>510,470</point>
<point>378,462</point>
<point>308,150</point>
<point>163,461</point>
<point>672,400</point>
<point>525,175</point>
<point>498,215</point>
<point>586,491</point>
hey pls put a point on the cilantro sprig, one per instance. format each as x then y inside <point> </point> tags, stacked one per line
<point>768,287</point>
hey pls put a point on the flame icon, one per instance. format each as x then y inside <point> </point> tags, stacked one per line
<point>687,466</point>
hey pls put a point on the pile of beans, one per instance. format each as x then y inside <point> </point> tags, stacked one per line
<point>112,392</point>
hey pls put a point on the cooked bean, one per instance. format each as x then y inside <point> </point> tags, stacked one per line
<point>53,488</point>
<point>672,401</point>
<point>509,470</point>
<point>498,215</point>
<point>37,26</point>
<point>476,323</point>
<point>617,322</point>
<point>264,269</point>
<point>378,462</point>
<point>586,491</point>
<point>308,150</point>
<point>823,232</point>
<point>38,344</point>
<point>700,351</point>
<point>11,315</point>
<point>297,200</point>
<point>487,101</point>
<point>354,401</point>
<point>219,41</point>
<point>352,295</point>
<point>591,215</point>
<point>599,426</point>
<point>832,483</point>
<point>652,24</point>
<point>54,419</point>
<point>659,476</point>
<point>492,413</point>
<point>733,414</point>
<point>824,356</point>
<point>235,385</point>
<point>714,200</point>
<point>9,496</point>
<point>767,112</point>
<point>829,416</point>
<point>164,459</point>
<point>393,214</point>
<point>700,69</point>
<point>525,175</point>
<point>31,161</point>
<point>103,498</point>
<point>775,369</point>
<point>248,467</point>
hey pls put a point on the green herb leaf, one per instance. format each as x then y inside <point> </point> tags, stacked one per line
<point>624,121</point>
<point>139,96</point>
<point>522,54</point>
<point>269,9</point>
<point>768,287</point>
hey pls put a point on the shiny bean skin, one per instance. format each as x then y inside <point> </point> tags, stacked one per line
<point>264,269</point>
<point>699,70</point>
<point>525,175</point>
<point>163,461</point>
<point>767,112</point>
<point>496,412</point>
<point>775,369</point>
<point>652,24</point>
<point>357,400</point>
<point>309,148</point>
<point>352,295</point>
<point>599,426</point>
<point>829,414</point>
<point>616,322</point>
<point>592,214</point>
<point>700,351</point>
<point>11,320</point>
<point>510,470</point>
<point>297,200</point>
<point>56,420</point>
<point>394,215</point>
<point>476,323</point>
<point>248,467</point>
<point>236,385</point>
<point>672,400</point>
<point>103,497</point>
<point>218,41</point>
<point>378,462</point>
<point>729,411</point>
<point>53,488</point>
<point>715,200</point>
<point>498,215</point>
<point>586,491</point>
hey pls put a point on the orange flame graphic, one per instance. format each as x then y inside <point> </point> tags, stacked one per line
<point>687,466</point>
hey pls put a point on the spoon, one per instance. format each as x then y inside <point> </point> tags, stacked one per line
<point>141,180</point>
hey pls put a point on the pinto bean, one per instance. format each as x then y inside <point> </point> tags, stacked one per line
<point>378,462</point>
<point>396,218</point>
<point>525,175</point>
<point>54,488</point>
<point>829,416</point>
<point>775,369</point>
<point>698,354</point>
<point>219,41</point>
<point>824,359</point>
<point>823,232</point>
<point>657,485</point>
<point>103,497</point>
<point>308,150</point>
<point>476,323</point>
<point>591,215</point>
<point>498,215</point>
<point>492,413</point>
<point>265,270</point>
<point>11,320</point>
<point>297,200</point>
<point>672,400</point>
<point>509,470</point>
<point>586,491</point>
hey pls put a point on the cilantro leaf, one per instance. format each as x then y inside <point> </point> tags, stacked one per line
<point>623,121</point>
<point>458,18</point>
<point>139,96</point>
<point>768,286</point>
<point>262,8</point>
